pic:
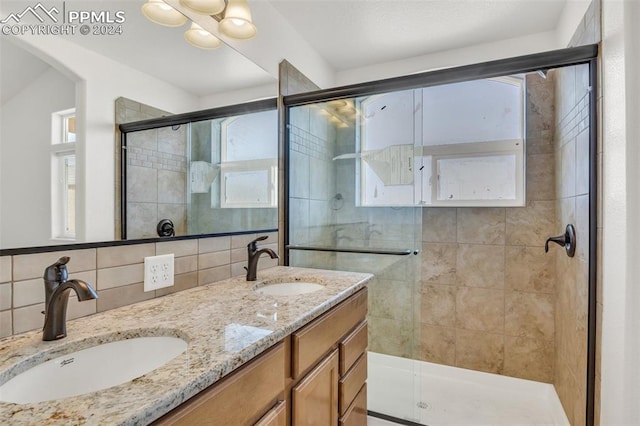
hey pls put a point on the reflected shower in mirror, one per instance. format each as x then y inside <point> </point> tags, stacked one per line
<point>216,173</point>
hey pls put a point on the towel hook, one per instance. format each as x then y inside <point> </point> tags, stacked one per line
<point>568,240</point>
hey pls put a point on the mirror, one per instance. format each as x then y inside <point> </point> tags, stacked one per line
<point>202,177</point>
<point>48,182</point>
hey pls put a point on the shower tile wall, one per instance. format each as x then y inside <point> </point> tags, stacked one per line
<point>156,180</point>
<point>571,150</point>
<point>488,288</point>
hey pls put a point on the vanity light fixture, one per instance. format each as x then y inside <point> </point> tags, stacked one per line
<point>205,7</point>
<point>161,13</point>
<point>233,17</point>
<point>199,37</point>
<point>237,22</point>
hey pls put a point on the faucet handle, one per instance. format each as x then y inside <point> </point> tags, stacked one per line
<point>57,271</point>
<point>253,244</point>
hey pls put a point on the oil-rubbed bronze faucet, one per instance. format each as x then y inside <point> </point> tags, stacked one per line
<point>56,289</point>
<point>253,255</point>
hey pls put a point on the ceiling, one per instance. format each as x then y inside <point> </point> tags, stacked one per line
<point>345,34</point>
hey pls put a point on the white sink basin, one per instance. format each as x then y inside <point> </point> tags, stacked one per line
<point>289,289</point>
<point>89,370</point>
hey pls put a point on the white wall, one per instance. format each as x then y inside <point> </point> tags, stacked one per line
<point>535,43</point>
<point>620,364</point>
<point>25,161</point>
<point>99,81</point>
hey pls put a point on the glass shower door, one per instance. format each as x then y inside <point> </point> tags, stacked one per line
<point>336,223</point>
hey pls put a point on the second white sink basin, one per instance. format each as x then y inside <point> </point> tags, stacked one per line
<point>289,289</point>
<point>89,370</point>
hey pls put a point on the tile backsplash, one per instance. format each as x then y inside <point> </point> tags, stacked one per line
<point>117,273</point>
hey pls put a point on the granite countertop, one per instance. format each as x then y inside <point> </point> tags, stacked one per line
<point>225,324</point>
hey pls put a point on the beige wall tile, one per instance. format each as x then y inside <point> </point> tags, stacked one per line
<point>28,318</point>
<point>531,225</point>
<point>237,269</point>
<point>5,296</point>
<point>531,359</point>
<point>178,248</point>
<point>439,263</point>
<point>480,309</point>
<point>185,264</point>
<point>540,177</point>
<point>480,351</point>
<point>6,326</point>
<point>28,292</point>
<point>391,337</point>
<point>181,282</point>
<point>239,255</point>
<point>77,309</point>
<point>529,315</point>
<point>439,225</point>
<point>392,300</point>
<point>265,263</point>
<point>29,266</point>
<point>212,275</point>
<point>5,269</point>
<point>124,255</point>
<point>539,142</point>
<point>480,266</point>
<point>438,344</point>
<point>213,259</point>
<point>207,245</point>
<point>240,241</point>
<point>481,225</point>
<point>120,276</point>
<point>122,296</point>
<point>529,269</point>
<point>438,306</point>
<point>582,162</point>
<point>582,227</point>
<point>567,184</point>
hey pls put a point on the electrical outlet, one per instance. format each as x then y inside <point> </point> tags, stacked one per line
<point>158,272</point>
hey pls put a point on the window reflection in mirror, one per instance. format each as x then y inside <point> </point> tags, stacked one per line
<point>209,176</point>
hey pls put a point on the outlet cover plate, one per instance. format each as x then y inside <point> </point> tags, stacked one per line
<point>158,272</point>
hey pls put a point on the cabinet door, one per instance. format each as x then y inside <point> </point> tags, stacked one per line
<point>277,416</point>
<point>315,398</point>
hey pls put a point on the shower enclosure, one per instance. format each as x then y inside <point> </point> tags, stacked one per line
<point>445,186</point>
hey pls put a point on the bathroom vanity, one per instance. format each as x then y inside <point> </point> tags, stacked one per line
<point>251,358</point>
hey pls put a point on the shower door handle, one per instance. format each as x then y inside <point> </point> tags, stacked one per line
<point>567,240</point>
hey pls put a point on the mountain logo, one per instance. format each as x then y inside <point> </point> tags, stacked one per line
<point>39,11</point>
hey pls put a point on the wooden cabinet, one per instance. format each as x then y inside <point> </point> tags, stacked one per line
<point>277,416</point>
<point>242,398</point>
<point>315,376</point>
<point>315,398</point>
<point>329,367</point>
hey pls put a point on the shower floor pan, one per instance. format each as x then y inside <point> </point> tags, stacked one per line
<point>434,395</point>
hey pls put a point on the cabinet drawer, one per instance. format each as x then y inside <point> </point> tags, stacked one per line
<point>319,337</point>
<point>352,347</point>
<point>277,416</point>
<point>356,415</point>
<point>239,399</point>
<point>352,382</point>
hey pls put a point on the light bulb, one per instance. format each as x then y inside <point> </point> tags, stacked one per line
<point>206,7</point>
<point>161,13</point>
<point>237,21</point>
<point>199,37</point>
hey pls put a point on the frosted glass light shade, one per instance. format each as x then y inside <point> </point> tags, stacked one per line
<point>161,13</point>
<point>201,38</point>
<point>237,21</point>
<point>206,7</point>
